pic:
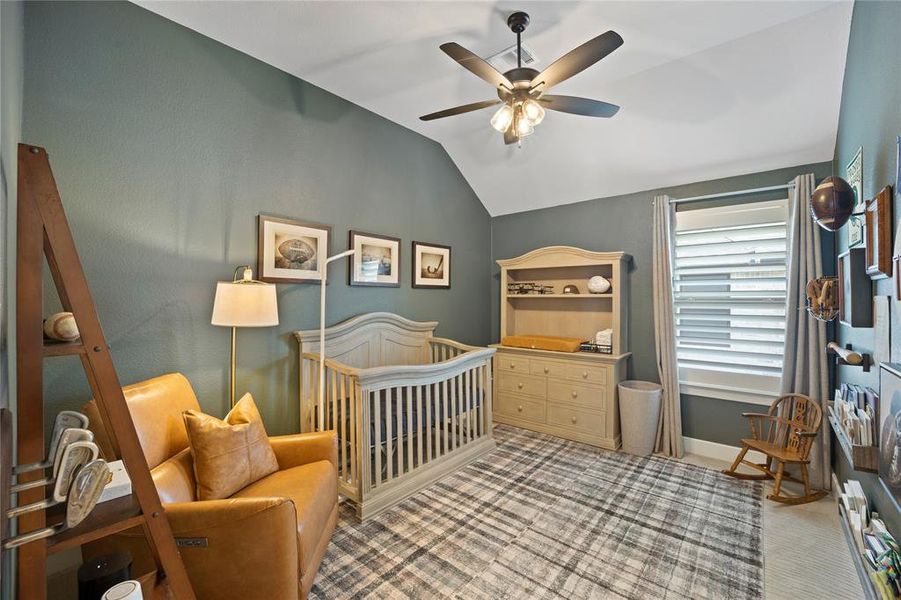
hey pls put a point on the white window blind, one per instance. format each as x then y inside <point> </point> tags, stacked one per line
<point>729,286</point>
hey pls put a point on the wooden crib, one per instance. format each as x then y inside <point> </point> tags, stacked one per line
<point>408,407</point>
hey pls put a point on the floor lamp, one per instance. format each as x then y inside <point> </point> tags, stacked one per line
<point>243,302</point>
<point>328,261</point>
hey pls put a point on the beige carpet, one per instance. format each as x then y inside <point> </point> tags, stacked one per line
<point>804,549</point>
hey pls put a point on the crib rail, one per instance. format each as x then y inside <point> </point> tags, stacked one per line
<point>442,349</point>
<point>393,421</point>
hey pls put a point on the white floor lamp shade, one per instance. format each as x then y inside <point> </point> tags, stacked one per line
<point>243,302</point>
<point>245,305</point>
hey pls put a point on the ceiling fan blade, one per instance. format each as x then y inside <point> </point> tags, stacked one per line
<point>509,138</point>
<point>579,106</point>
<point>458,110</point>
<point>577,60</point>
<point>476,65</point>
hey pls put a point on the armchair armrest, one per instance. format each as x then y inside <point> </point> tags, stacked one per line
<point>304,448</point>
<point>241,547</point>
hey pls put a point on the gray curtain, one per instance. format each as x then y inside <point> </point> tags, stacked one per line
<point>804,370</point>
<point>669,428</point>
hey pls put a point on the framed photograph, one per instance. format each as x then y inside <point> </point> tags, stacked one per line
<point>879,234</point>
<point>376,261</point>
<point>431,266</point>
<point>855,289</point>
<point>854,176</point>
<point>890,429</point>
<point>290,251</point>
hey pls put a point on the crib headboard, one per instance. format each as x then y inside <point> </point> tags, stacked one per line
<point>374,339</point>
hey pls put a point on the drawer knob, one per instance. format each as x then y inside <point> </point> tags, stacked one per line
<point>573,420</point>
<point>519,408</point>
<point>519,385</point>
<point>512,366</point>
<point>584,374</point>
<point>575,394</point>
<point>546,370</point>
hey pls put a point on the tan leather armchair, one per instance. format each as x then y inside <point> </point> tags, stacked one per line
<point>267,540</point>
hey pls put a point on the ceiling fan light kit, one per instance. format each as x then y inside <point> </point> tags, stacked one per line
<point>522,90</point>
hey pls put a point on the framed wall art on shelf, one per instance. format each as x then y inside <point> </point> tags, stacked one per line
<point>289,251</point>
<point>431,266</point>
<point>879,234</point>
<point>854,176</point>
<point>890,429</point>
<point>855,289</point>
<point>376,262</point>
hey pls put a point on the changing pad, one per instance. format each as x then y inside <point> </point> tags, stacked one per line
<point>542,342</point>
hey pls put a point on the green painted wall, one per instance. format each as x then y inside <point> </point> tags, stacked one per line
<point>624,223</point>
<point>11,68</point>
<point>166,145</point>
<point>870,118</point>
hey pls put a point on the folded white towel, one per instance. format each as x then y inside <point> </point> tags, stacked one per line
<point>604,338</point>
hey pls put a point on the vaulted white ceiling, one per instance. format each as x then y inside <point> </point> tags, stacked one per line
<point>707,89</point>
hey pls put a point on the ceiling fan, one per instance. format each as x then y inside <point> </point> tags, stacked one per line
<point>522,90</point>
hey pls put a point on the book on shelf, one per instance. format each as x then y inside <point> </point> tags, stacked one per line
<point>857,410</point>
<point>879,553</point>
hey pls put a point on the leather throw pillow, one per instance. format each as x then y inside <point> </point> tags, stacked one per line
<point>231,453</point>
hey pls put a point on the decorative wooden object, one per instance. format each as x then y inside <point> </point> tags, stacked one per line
<point>43,230</point>
<point>855,297</point>
<point>879,234</point>
<point>408,408</point>
<point>861,458</point>
<point>785,436</point>
<point>847,356</point>
<point>571,395</point>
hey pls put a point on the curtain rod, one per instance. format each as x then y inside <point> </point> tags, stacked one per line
<point>759,190</point>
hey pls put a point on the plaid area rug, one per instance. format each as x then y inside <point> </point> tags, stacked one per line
<point>542,518</point>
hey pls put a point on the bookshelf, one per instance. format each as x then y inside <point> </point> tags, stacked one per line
<point>578,315</point>
<point>863,571</point>
<point>861,458</point>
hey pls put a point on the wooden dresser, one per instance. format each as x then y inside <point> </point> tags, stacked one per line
<point>567,394</point>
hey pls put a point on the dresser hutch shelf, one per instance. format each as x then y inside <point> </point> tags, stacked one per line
<point>568,394</point>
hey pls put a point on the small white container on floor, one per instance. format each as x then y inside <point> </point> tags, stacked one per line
<point>127,590</point>
<point>639,410</point>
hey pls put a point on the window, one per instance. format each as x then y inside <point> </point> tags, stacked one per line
<point>729,286</point>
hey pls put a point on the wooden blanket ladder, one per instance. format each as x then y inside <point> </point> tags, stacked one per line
<point>43,230</point>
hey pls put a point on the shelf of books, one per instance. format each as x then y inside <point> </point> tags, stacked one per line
<point>853,416</point>
<point>873,549</point>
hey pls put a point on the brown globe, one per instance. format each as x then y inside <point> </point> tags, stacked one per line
<point>832,203</point>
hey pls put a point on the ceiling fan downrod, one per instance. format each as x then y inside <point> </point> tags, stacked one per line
<point>517,22</point>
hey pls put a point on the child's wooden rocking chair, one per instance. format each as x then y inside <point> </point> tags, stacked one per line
<point>785,436</point>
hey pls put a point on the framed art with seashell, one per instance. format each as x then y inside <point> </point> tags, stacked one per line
<point>290,251</point>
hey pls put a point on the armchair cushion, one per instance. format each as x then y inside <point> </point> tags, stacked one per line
<point>229,454</point>
<point>314,489</point>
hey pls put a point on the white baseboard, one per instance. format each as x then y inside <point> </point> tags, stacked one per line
<point>723,452</point>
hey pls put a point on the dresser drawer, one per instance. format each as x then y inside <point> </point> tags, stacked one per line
<point>514,364</point>
<point>522,384</point>
<point>576,418</point>
<point>568,392</point>
<point>587,373</point>
<point>519,407</point>
<point>549,368</point>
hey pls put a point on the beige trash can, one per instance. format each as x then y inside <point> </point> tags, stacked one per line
<point>639,409</point>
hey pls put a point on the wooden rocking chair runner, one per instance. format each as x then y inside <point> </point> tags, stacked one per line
<point>785,436</point>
